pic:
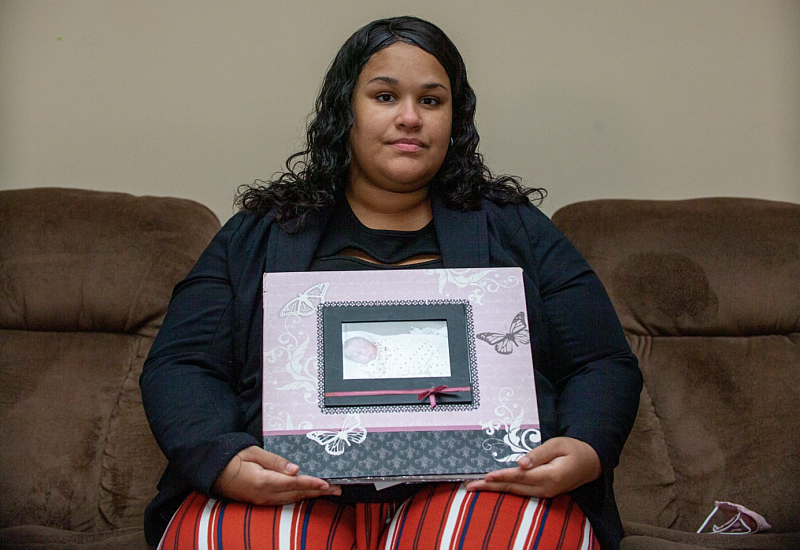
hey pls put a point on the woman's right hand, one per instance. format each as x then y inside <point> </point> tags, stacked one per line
<point>266,479</point>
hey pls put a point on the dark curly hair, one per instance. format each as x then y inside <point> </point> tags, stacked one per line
<point>315,175</point>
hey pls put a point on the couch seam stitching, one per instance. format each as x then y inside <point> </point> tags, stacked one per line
<point>103,452</point>
<point>649,339</point>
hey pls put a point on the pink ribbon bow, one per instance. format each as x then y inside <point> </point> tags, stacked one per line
<point>433,391</point>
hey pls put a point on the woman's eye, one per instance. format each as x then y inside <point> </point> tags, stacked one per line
<point>384,98</point>
<point>430,101</point>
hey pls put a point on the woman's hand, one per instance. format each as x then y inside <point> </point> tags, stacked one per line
<point>557,466</point>
<point>263,478</point>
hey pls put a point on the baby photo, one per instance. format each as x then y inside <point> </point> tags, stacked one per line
<point>395,349</point>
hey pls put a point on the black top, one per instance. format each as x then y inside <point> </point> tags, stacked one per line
<point>345,231</point>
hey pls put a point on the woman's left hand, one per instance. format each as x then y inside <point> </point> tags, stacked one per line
<point>557,466</point>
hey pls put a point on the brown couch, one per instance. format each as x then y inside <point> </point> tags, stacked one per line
<point>708,292</point>
<point>85,278</point>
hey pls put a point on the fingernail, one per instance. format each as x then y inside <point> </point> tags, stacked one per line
<point>292,467</point>
<point>525,463</point>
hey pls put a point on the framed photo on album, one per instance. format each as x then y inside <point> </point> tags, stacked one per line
<point>398,375</point>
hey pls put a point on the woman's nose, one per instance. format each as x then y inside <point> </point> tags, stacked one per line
<point>409,116</point>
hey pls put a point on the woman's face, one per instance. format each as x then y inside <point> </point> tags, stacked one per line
<point>403,113</point>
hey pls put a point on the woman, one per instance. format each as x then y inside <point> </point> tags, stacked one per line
<point>391,178</point>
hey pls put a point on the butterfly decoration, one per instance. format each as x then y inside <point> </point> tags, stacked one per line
<point>335,442</point>
<point>517,334</point>
<point>306,303</point>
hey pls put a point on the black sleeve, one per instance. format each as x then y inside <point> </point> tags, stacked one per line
<point>188,378</point>
<point>591,366</point>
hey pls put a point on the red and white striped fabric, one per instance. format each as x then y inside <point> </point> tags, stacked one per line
<point>439,517</point>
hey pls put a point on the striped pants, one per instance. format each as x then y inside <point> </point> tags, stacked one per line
<point>440,516</point>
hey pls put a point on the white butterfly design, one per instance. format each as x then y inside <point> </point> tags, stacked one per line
<point>306,303</point>
<point>334,442</point>
<point>517,334</point>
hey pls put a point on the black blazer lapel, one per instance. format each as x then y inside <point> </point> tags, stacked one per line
<point>463,236</point>
<point>295,252</point>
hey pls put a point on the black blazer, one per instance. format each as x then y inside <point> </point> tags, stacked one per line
<point>201,383</point>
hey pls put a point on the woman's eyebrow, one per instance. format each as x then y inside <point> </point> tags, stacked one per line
<point>432,85</point>
<point>394,82</point>
<point>387,79</point>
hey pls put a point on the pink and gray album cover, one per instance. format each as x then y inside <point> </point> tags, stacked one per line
<point>399,374</point>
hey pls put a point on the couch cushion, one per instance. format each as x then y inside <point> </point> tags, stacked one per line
<point>85,279</point>
<point>76,260</point>
<point>58,392</point>
<point>639,536</point>
<point>722,266</point>
<point>728,409</point>
<point>36,537</point>
<point>707,292</point>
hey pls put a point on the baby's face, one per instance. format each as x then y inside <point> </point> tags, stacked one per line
<point>361,351</point>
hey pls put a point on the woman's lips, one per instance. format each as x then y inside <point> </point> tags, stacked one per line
<point>407,145</point>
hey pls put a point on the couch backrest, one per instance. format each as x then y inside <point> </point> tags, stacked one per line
<point>708,293</point>
<point>85,278</point>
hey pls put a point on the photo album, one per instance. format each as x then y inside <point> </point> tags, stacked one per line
<point>398,375</point>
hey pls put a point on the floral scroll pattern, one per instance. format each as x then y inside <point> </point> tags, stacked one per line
<point>281,420</point>
<point>517,441</point>
<point>479,282</point>
<point>292,353</point>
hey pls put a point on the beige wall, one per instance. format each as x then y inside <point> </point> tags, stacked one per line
<point>649,99</point>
